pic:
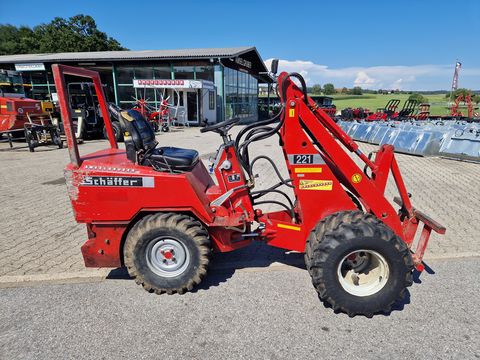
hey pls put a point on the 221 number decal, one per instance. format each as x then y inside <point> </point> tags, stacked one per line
<point>302,159</point>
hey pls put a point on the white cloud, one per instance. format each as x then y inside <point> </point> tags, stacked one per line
<point>364,81</point>
<point>415,77</point>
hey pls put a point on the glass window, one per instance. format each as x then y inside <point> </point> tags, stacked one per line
<point>204,72</point>
<point>37,77</point>
<point>146,94</point>
<point>240,94</point>
<point>143,73</point>
<point>178,98</point>
<point>211,100</point>
<point>183,72</point>
<point>163,72</point>
<point>126,94</point>
<point>125,75</point>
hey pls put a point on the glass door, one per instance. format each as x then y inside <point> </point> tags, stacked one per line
<point>192,106</point>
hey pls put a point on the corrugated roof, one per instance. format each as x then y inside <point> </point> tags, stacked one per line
<point>128,55</point>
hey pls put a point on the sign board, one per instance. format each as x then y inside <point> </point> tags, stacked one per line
<point>242,62</point>
<point>172,84</point>
<point>30,67</point>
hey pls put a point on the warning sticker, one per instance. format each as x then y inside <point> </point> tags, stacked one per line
<point>308,170</point>
<point>325,185</point>
<point>356,178</point>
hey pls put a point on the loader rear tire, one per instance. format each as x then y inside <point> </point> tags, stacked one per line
<point>358,265</point>
<point>167,253</point>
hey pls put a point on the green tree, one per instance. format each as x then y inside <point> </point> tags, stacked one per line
<point>462,91</point>
<point>15,40</point>
<point>344,90</point>
<point>316,89</point>
<point>328,89</point>
<point>418,97</point>
<point>78,33</point>
<point>357,90</point>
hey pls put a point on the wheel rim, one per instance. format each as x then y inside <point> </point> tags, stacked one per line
<point>363,272</point>
<point>167,257</point>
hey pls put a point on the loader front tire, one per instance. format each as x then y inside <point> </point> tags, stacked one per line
<point>358,265</point>
<point>167,253</point>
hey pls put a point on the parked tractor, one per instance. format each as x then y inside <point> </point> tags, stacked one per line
<point>156,209</point>
<point>21,116</point>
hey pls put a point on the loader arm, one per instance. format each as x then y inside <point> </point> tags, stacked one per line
<point>313,127</point>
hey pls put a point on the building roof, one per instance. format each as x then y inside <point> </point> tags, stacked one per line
<point>129,55</point>
<point>248,52</point>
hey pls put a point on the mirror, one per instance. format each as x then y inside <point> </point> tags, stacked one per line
<point>274,66</point>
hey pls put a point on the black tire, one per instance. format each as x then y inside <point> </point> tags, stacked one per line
<point>57,140</point>
<point>155,229</point>
<point>30,141</point>
<point>343,233</point>
<point>117,129</point>
<point>154,126</point>
<point>330,223</point>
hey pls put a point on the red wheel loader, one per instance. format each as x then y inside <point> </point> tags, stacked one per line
<point>157,210</point>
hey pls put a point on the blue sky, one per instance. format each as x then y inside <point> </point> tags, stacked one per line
<point>374,44</point>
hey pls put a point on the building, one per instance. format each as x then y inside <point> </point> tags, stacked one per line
<point>212,84</point>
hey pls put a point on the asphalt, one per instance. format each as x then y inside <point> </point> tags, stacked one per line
<point>252,313</point>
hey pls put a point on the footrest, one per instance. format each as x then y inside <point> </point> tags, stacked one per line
<point>434,225</point>
<point>428,225</point>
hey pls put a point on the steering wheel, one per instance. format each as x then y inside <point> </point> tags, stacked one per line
<point>221,127</point>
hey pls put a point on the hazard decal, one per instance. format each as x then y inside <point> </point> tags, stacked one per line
<point>322,185</point>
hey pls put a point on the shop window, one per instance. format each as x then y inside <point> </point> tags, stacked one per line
<point>211,100</point>
<point>143,73</point>
<point>204,72</point>
<point>125,75</point>
<point>126,94</point>
<point>36,78</point>
<point>178,98</point>
<point>146,94</point>
<point>163,72</point>
<point>183,72</point>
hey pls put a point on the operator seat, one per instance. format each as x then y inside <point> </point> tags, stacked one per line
<point>142,148</point>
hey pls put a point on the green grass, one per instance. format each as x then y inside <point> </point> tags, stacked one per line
<point>438,102</point>
<point>374,101</point>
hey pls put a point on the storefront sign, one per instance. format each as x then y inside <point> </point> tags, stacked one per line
<point>30,67</point>
<point>172,84</point>
<point>243,62</point>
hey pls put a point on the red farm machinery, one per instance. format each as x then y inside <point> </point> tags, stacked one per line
<point>21,116</point>
<point>157,210</point>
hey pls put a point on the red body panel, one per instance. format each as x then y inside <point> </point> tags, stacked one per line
<point>114,203</point>
<point>13,112</point>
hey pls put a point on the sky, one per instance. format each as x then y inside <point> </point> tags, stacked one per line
<point>408,45</point>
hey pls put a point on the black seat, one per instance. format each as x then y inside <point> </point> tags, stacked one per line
<point>142,148</point>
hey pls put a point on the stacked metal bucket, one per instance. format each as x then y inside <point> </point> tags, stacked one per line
<point>447,138</point>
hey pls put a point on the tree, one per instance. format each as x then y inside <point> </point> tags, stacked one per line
<point>344,90</point>
<point>78,33</point>
<point>15,40</point>
<point>328,89</point>
<point>316,89</point>
<point>357,90</point>
<point>462,91</point>
<point>418,97</point>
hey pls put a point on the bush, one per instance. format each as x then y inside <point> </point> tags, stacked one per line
<point>418,97</point>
